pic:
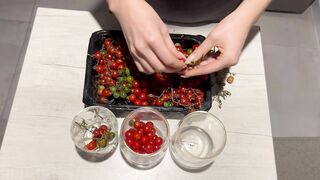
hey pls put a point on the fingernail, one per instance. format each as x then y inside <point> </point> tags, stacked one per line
<point>184,76</point>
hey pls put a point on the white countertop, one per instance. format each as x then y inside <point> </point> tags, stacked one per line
<point>37,142</point>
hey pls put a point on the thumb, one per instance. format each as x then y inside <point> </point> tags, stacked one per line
<point>201,51</point>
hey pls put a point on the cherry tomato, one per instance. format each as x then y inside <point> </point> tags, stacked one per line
<point>114,74</point>
<point>153,130</point>
<point>106,93</point>
<point>99,92</point>
<point>136,91</point>
<point>121,67</point>
<point>132,97</point>
<point>156,147</point>
<point>104,128</point>
<point>112,50</point>
<point>107,43</point>
<point>98,55</point>
<point>136,136</point>
<point>159,141</point>
<point>146,129</point>
<point>92,145</point>
<point>137,102</point>
<point>165,97</point>
<point>150,124</point>
<point>136,145</point>
<point>129,142</point>
<point>135,84</point>
<point>143,96</point>
<point>96,133</point>
<point>144,140</point>
<point>148,148</point>
<point>129,134</point>
<point>114,65</point>
<point>109,57</point>
<point>145,103</point>
<point>195,46</point>
<point>99,69</point>
<point>159,102</point>
<point>119,54</point>
<point>137,124</point>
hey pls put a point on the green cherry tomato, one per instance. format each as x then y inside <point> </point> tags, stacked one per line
<point>189,51</point>
<point>102,143</point>
<point>116,95</point>
<point>129,79</point>
<point>121,79</point>
<point>123,94</point>
<point>126,89</point>
<point>113,89</point>
<point>111,135</point>
<point>127,71</point>
<point>103,53</point>
<point>129,85</point>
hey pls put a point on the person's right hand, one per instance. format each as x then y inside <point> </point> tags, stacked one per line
<point>147,37</point>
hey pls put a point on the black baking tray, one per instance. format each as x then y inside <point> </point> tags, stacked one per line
<point>121,109</point>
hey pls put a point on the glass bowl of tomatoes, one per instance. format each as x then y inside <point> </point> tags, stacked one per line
<point>94,130</point>
<point>144,137</point>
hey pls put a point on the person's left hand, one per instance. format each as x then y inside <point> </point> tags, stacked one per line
<point>229,37</point>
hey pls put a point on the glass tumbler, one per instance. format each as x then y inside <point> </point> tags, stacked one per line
<point>87,134</point>
<point>160,123</point>
<point>200,138</point>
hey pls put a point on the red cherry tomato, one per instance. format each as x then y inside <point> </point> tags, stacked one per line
<point>144,140</point>
<point>159,141</point>
<point>136,136</point>
<point>92,145</point>
<point>137,124</point>
<point>145,103</point>
<point>107,43</point>
<point>106,93</point>
<point>150,124</point>
<point>98,55</point>
<point>156,147</point>
<point>135,84</point>
<point>137,102</point>
<point>148,148</point>
<point>129,134</point>
<point>132,97</point>
<point>129,142</point>
<point>99,69</point>
<point>96,133</point>
<point>143,96</point>
<point>136,145</point>
<point>104,127</point>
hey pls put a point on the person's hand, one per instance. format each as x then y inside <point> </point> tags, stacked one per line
<point>229,37</point>
<point>147,37</point>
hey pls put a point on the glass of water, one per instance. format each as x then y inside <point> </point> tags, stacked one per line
<point>94,130</point>
<point>200,138</point>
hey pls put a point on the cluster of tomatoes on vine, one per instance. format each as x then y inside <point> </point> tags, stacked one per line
<point>118,78</point>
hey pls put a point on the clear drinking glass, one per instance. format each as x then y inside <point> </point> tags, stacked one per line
<point>200,138</point>
<point>84,124</point>
<point>145,161</point>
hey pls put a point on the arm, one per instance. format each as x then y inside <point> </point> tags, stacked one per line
<point>147,36</point>
<point>229,36</point>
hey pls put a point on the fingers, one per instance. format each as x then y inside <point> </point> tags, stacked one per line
<point>207,67</point>
<point>168,57</point>
<point>172,48</point>
<point>203,48</point>
<point>142,65</point>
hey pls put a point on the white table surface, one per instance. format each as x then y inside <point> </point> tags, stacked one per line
<point>37,143</point>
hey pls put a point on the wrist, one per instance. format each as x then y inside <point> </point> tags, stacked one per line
<point>116,6</point>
